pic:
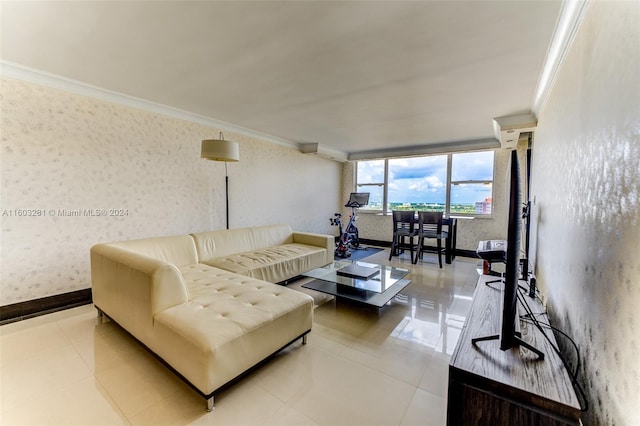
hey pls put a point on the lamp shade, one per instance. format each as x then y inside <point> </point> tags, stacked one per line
<point>220,150</point>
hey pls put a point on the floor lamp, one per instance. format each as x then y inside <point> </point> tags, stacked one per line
<point>221,150</point>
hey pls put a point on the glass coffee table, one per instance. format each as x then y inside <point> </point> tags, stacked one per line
<point>362,282</point>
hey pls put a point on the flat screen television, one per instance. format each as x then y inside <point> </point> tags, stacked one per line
<point>509,320</point>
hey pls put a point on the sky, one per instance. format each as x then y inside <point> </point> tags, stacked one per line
<point>424,179</point>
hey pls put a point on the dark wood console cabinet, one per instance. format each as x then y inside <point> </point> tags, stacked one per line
<point>488,386</point>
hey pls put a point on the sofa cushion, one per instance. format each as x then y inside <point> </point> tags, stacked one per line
<point>231,323</point>
<point>179,250</point>
<point>226,242</point>
<point>273,264</point>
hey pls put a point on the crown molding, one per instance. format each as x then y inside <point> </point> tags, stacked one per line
<point>21,72</point>
<point>569,21</point>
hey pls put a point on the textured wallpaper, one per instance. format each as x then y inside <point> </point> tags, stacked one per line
<point>586,181</point>
<point>75,171</point>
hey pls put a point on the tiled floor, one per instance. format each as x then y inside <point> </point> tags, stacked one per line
<point>360,367</point>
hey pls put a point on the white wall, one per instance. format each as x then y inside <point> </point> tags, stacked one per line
<point>586,182</point>
<point>380,227</point>
<point>61,151</point>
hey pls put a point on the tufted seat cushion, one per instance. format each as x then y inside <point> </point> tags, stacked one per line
<point>272,264</point>
<point>230,323</point>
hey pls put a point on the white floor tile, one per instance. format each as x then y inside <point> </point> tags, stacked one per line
<point>360,366</point>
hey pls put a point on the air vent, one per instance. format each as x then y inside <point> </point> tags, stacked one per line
<point>324,152</point>
<point>508,128</point>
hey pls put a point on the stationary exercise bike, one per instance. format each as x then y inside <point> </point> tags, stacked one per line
<point>349,237</point>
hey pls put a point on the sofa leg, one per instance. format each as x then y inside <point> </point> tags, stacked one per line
<point>100,315</point>
<point>210,406</point>
<point>304,339</point>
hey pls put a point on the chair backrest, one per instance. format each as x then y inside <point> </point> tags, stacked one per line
<point>430,222</point>
<point>404,220</point>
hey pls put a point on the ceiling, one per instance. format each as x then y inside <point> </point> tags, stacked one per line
<point>355,77</point>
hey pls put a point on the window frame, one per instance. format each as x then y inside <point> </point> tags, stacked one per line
<point>449,185</point>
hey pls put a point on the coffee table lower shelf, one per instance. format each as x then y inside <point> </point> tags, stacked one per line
<point>366,297</point>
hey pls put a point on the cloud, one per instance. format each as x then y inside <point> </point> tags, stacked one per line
<point>371,171</point>
<point>427,184</point>
<point>472,166</point>
<point>417,168</point>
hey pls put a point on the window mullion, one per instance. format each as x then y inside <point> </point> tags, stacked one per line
<point>461,182</point>
<point>447,198</point>
<point>385,192</point>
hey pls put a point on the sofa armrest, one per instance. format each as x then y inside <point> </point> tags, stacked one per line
<point>132,288</point>
<point>320,240</point>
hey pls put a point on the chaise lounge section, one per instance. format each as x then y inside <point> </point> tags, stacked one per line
<point>207,303</point>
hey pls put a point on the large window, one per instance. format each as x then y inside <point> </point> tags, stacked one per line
<point>457,184</point>
<point>471,183</point>
<point>371,178</point>
<point>418,183</point>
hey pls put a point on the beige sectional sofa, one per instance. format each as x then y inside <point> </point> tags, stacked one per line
<point>206,303</point>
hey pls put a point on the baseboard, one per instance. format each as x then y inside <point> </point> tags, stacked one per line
<point>45,305</point>
<point>376,243</point>
<point>467,253</point>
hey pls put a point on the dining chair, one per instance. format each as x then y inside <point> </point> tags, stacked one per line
<point>430,227</point>
<point>404,226</point>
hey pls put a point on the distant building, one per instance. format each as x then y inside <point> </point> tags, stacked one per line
<point>483,207</point>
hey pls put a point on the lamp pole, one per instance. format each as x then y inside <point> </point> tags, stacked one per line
<point>226,191</point>
<point>221,150</point>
